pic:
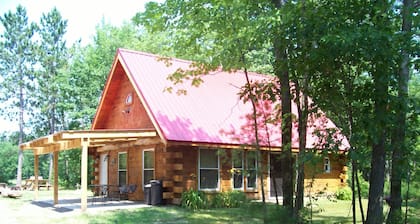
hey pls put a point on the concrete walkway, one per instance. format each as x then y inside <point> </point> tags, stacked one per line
<point>73,205</point>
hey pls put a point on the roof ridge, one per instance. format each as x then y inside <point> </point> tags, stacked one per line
<point>218,69</point>
<point>153,55</point>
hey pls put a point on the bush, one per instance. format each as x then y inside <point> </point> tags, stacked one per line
<point>194,200</point>
<point>230,199</point>
<point>343,194</point>
<point>235,199</point>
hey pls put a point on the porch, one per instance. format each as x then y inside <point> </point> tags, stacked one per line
<point>71,205</point>
<point>90,142</point>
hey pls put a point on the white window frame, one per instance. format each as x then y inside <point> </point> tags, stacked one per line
<point>121,170</point>
<point>218,170</point>
<point>154,164</point>
<point>256,170</point>
<point>327,165</point>
<point>241,170</point>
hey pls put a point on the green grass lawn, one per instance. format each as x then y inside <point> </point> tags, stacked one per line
<point>324,211</point>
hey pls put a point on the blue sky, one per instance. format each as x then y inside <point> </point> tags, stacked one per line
<point>82,16</point>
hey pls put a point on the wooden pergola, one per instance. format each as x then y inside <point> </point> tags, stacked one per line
<point>84,139</point>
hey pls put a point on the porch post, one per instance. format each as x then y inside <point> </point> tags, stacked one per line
<point>84,174</point>
<point>36,173</point>
<point>55,164</point>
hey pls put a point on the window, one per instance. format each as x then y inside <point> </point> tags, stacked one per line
<point>327,165</point>
<point>148,166</point>
<point>238,169</point>
<point>122,168</point>
<point>251,171</point>
<point>208,169</point>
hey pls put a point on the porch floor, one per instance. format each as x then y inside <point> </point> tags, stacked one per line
<point>94,205</point>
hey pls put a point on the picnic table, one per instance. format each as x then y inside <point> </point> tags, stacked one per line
<point>29,184</point>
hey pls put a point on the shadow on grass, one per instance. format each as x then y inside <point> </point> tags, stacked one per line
<point>250,213</point>
<point>164,214</point>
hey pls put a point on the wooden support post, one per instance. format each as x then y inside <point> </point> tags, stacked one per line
<point>84,174</point>
<point>36,176</point>
<point>55,164</point>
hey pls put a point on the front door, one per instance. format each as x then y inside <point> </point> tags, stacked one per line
<point>103,170</point>
<point>276,177</point>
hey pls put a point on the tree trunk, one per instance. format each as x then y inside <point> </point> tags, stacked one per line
<point>362,214</point>
<point>281,71</point>
<point>398,145</point>
<point>257,140</point>
<point>302,105</point>
<point>21,135</point>
<point>377,172</point>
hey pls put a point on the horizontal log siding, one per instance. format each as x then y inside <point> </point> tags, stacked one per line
<point>326,182</point>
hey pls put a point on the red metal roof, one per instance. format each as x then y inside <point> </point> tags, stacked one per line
<point>211,113</point>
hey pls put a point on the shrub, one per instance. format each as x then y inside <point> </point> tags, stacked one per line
<point>193,200</point>
<point>343,194</point>
<point>235,199</point>
<point>231,199</point>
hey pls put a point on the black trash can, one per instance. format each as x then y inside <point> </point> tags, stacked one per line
<point>156,192</point>
<point>147,194</point>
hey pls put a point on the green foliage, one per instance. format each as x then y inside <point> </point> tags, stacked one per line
<point>52,58</point>
<point>343,193</point>
<point>194,200</point>
<point>230,199</point>
<point>8,165</point>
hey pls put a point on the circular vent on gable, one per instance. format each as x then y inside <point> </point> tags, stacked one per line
<point>129,99</point>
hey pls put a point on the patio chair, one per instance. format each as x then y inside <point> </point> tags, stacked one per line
<point>126,190</point>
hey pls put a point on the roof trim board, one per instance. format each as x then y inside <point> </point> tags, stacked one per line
<point>106,87</point>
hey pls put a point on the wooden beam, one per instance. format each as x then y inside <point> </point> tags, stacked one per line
<point>84,174</point>
<point>55,164</point>
<point>106,134</point>
<point>148,141</point>
<point>139,142</point>
<point>36,159</point>
<point>46,140</point>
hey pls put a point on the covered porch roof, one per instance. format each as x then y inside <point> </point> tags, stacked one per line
<point>72,139</point>
<point>84,139</point>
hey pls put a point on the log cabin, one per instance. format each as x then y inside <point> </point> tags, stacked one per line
<point>190,137</point>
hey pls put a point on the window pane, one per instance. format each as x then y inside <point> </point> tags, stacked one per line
<point>208,158</point>
<point>251,179</point>
<point>208,179</point>
<point>122,161</point>
<point>237,158</point>
<point>148,175</point>
<point>122,178</point>
<point>237,180</point>
<point>327,165</point>
<point>251,160</point>
<point>149,159</point>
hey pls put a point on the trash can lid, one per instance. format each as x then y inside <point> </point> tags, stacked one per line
<point>154,181</point>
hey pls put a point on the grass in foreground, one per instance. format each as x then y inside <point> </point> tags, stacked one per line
<point>325,211</point>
